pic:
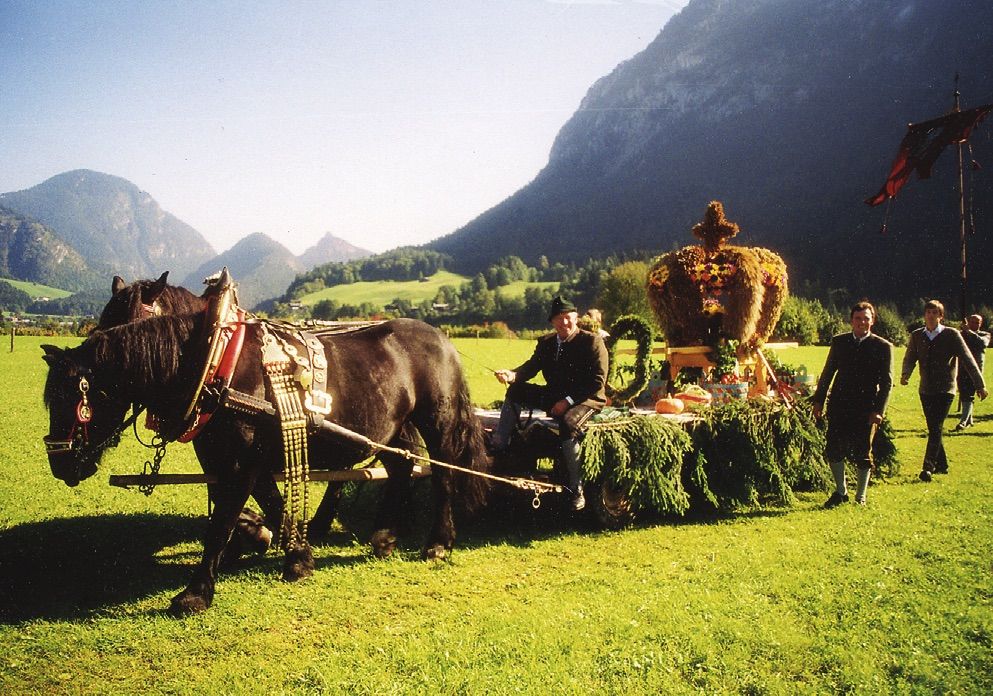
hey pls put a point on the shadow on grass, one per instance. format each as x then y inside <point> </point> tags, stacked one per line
<point>508,517</point>
<point>69,568</point>
<point>75,567</point>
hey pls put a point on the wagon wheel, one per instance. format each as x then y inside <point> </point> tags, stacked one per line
<point>611,506</point>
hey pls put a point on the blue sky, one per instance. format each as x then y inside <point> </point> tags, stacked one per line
<point>384,123</point>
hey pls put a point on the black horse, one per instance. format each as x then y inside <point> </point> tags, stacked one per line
<point>147,298</point>
<point>381,379</point>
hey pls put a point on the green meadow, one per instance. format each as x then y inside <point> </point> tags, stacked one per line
<point>36,290</point>
<point>891,598</point>
<point>382,292</point>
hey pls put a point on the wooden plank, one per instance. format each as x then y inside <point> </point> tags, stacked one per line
<point>634,351</point>
<point>377,473</point>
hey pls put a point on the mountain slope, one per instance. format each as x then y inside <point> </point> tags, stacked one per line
<point>262,267</point>
<point>30,251</point>
<point>112,224</point>
<point>790,112</point>
<point>331,249</point>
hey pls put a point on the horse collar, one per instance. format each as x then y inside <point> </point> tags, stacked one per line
<point>225,349</point>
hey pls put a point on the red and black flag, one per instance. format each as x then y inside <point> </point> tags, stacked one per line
<point>923,143</point>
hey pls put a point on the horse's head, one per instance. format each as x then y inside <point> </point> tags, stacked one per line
<point>132,302</point>
<point>84,415</point>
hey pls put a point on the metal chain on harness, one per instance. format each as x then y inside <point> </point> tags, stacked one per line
<point>151,469</point>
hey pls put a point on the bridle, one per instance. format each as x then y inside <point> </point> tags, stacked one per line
<point>79,433</point>
<point>78,439</point>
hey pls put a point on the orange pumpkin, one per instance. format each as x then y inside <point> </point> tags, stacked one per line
<point>669,406</point>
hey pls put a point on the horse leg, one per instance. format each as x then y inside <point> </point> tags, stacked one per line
<point>395,501</point>
<point>199,593</point>
<point>266,494</point>
<point>320,523</point>
<point>441,537</point>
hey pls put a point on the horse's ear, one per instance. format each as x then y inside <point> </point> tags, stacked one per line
<point>117,285</point>
<point>157,287</point>
<point>52,353</point>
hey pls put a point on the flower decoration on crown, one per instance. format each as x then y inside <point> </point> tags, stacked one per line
<point>771,275</point>
<point>659,276</point>
<point>712,277</point>
<point>712,307</point>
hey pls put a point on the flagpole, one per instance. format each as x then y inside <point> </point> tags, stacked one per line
<point>964,275</point>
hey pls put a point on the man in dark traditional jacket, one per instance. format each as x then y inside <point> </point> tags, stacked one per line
<point>940,351</point>
<point>574,365</point>
<point>976,341</point>
<point>859,363</point>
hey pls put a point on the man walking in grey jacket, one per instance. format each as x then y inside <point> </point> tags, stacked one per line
<point>939,351</point>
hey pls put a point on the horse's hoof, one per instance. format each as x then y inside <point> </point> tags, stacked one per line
<point>299,564</point>
<point>185,604</point>
<point>435,553</point>
<point>383,543</point>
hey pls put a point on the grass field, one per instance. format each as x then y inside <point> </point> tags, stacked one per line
<point>35,290</point>
<point>891,598</point>
<point>381,292</point>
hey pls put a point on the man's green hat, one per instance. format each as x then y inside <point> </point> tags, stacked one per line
<point>559,306</point>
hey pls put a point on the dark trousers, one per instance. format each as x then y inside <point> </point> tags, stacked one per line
<point>936,408</point>
<point>539,396</point>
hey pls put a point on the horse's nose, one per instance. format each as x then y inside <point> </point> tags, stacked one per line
<point>63,470</point>
<point>68,469</point>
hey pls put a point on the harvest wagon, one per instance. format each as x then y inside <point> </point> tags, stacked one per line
<point>536,445</point>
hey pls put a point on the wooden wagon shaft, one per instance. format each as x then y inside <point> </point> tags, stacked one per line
<point>367,474</point>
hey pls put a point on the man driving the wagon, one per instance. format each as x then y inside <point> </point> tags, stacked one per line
<point>574,364</point>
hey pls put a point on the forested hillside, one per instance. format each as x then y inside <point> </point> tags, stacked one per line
<point>789,112</point>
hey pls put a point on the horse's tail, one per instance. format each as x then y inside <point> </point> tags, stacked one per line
<point>468,446</point>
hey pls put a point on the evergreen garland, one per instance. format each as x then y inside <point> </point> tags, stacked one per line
<point>739,455</point>
<point>756,451</point>
<point>643,457</point>
<point>884,450</point>
<point>637,328</point>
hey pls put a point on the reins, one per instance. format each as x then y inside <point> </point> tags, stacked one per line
<point>536,487</point>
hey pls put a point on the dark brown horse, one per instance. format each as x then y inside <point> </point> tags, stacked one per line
<point>146,298</point>
<point>380,378</point>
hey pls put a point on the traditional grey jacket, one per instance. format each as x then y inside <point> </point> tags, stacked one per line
<point>940,360</point>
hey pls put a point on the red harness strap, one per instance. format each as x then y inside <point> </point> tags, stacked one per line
<point>233,337</point>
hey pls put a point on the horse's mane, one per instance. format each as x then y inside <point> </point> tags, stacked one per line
<point>148,351</point>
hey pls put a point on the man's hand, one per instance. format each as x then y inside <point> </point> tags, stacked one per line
<point>904,381</point>
<point>876,418</point>
<point>983,394</point>
<point>559,408</point>
<point>818,410</point>
<point>505,376</point>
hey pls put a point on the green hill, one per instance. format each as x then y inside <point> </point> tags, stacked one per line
<point>35,290</point>
<point>382,292</point>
